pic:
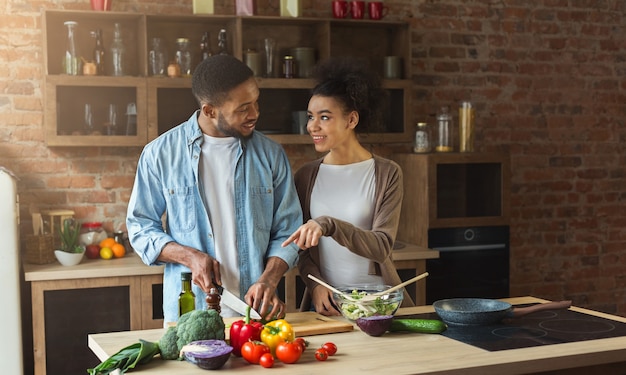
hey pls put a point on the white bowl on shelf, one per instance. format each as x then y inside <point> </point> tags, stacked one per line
<point>68,259</point>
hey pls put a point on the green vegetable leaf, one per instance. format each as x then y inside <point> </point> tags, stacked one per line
<point>127,358</point>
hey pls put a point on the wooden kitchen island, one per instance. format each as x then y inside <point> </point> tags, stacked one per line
<point>136,280</point>
<point>407,353</point>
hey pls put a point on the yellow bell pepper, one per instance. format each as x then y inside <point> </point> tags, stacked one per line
<point>275,332</point>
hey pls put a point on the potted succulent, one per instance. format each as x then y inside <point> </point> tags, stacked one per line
<point>71,252</point>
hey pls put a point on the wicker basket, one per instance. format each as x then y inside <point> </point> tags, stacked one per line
<point>39,249</point>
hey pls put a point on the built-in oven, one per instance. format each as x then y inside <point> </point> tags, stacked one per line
<point>473,262</point>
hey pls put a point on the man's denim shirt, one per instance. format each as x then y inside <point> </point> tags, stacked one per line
<point>266,204</point>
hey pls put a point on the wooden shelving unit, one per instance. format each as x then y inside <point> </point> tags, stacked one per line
<point>163,103</point>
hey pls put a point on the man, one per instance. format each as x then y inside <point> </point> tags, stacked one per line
<point>227,193</point>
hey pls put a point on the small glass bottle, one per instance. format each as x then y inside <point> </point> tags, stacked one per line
<point>98,52</point>
<point>157,58</point>
<point>222,42</point>
<point>71,61</point>
<point>205,46</point>
<point>289,66</point>
<point>118,53</point>
<point>131,119</point>
<point>421,144</point>
<point>444,130</point>
<point>183,56</point>
<point>186,299</point>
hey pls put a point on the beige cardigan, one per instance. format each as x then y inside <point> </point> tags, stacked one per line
<point>375,244</point>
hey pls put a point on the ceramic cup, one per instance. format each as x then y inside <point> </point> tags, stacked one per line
<point>377,10</point>
<point>341,8</point>
<point>300,120</point>
<point>392,67</point>
<point>101,4</point>
<point>357,9</point>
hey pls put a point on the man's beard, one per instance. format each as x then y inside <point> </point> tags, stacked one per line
<point>225,128</point>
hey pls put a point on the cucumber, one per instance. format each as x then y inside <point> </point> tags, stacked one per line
<point>418,325</point>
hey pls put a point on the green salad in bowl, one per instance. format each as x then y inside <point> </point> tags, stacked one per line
<point>355,302</point>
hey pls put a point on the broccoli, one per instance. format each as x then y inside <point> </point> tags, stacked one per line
<point>199,325</point>
<point>192,326</point>
<point>167,344</point>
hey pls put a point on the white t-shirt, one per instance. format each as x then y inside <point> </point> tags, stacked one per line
<point>217,173</point>
<point>345,192</point>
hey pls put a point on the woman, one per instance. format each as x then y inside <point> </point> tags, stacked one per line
<point>350,198</point>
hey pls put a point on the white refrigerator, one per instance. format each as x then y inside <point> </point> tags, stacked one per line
<point>11,361</point>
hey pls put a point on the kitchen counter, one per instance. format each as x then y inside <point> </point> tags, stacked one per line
<point>407,353</point>
<point>129,265</point>
<point>130,271</point>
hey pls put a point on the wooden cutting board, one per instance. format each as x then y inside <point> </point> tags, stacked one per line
<point>309,324</point>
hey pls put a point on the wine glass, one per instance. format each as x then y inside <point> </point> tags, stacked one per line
<point>88,125</point>
<point>111,125</point>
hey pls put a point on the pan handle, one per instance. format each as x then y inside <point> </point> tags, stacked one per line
<point>521,311</point>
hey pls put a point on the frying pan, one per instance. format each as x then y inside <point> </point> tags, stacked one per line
<point>480,311</point>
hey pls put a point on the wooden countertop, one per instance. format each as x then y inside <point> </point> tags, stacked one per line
<point>404,353</point>
<point>131,265</point>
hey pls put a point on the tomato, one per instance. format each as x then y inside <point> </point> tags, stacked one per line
<point>288,352</point>
<point>267,360</point>
<point>331,348</point>
<point>321,354</point>
<point>252,351</point>
<point>302,342</point>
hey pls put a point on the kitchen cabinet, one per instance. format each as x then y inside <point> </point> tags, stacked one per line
<point>164,102</point>
<point>93,296</point>
<point>451,190</point>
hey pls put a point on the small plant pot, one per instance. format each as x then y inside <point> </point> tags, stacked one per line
<point>69,259</point>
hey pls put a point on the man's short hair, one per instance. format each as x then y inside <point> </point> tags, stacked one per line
<point>216,76</point>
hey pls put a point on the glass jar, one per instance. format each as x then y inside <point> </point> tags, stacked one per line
<point>183,56</point>
<point>421,145</point>
<point>289,66</point>
<point>157,59</point>
<point>91,233</point>
<point>444,130</point>
<point>466,127</point>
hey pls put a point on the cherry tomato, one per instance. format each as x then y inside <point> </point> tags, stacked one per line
<point>252,351</point>
<point>331,348</point>
<point>267,360</point>
<point>288,352</point>
<point>321,354</point>
<point>302,342</point>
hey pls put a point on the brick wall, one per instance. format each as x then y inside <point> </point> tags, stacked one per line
<point>548,81</point>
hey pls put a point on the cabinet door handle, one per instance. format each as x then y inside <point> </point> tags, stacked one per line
<point>471,247</point>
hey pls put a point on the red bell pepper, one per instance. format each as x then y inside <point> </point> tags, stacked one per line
<point>243,331</point>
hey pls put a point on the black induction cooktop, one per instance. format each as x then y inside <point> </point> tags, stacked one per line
<point>536,329</point>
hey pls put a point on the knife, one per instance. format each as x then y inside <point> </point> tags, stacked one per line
<point>235,303</point>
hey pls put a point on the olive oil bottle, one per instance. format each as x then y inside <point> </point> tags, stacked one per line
<point>186,299</point>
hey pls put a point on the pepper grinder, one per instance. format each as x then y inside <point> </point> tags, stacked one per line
<point>213,300</point>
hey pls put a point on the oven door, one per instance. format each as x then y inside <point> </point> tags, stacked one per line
<point>473,262</point>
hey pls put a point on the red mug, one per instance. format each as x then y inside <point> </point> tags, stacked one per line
<point>377,10</point>
<point>357,9</point>
<point>101,4</point>
<point>341,8</point>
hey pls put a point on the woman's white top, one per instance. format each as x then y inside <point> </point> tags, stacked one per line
<point>345,192</point>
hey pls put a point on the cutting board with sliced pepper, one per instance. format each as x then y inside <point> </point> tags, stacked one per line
<point>309,323</point>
